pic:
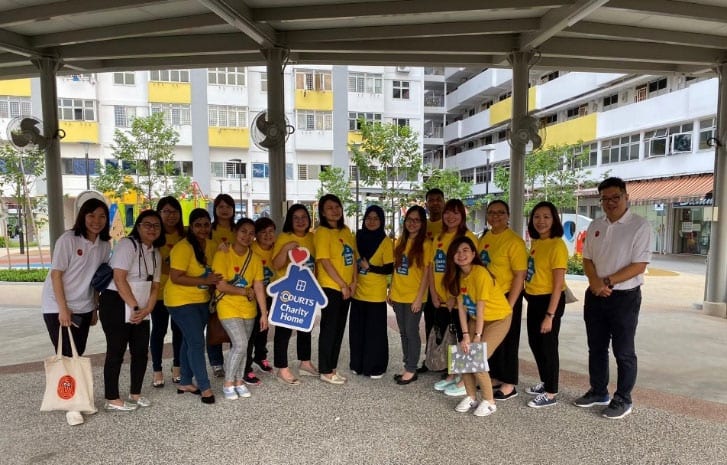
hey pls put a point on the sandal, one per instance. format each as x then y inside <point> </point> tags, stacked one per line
<point>158,383</point>
<point>291,381</point>
<point>176,379</point>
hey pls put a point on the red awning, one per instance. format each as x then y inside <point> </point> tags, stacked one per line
<point>674,189</point>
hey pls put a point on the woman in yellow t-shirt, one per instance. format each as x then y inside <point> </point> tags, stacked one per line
<point>544,291</point>
<point>296,233</point>
<point>454,225</point>
<point>336,271</point>
<point>186,296</point>
<point>173,226</point>
<point>242,285</point>
<point>503,253</point>
<point>409,288</point>
<point>223,213</point>
<point>367,327</point>
<point>484,315</point>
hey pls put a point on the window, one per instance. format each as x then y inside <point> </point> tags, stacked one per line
<point>620,149</point>
<point>665,141</point>
<point>353,172</point>
<point>260,170</point>
<point>312,80</point>
<point>549,77</point>
<point>169,75</point>
<point>641,93</point>
<point>610,100</point>
<point>657,87</point>
<point>311,172</point>
<point>228,169</point>
<point>482,174</point>
<point>289,171</point>
<point>502,135</point>
<point>589,152</point>
<point>401,122</point>
<point>681,138</point>
<point>364,83</point>
<point>226,76</point>
<point>401,90</point>
<point>549,119</point>
<point>182,168</point>
<point>12,107</point>
<point>263,82</point>
<point>354,123</point>
<point>227,116</point>
<point>467,175</point>
<point>77,166</point>
<point>707,128</point>
<point>504,96</point>
<point>124,79</point>
<point>124,116</point>
<point>175,114</point>
<point>575,112</point>
<point>309,120</point>
<point>76,109</point>
<point>655,142</point>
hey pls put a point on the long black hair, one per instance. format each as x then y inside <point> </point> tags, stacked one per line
<point>174,203</point>
<point>416,251</point>
<point>90,206</point>
<point>288,225</point>
<point>453,273</point>
<point>324,222</point>
<point>194,215</point>
<point>222,198</point>
<point>161,240</point>
<point>556,230</point>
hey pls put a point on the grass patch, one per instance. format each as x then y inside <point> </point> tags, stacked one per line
<point>24,276</point>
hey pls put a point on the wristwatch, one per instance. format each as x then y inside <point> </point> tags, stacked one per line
<point>607,282</point>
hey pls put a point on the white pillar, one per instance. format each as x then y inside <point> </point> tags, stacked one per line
<point>520,62</point>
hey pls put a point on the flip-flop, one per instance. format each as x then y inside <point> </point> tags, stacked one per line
<point>291,381</point>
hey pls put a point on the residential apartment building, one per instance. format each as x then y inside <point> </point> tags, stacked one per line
<point>212,110</point>
<point>653,131</point>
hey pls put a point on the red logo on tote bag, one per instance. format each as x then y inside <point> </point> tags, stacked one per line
<point>66,387</point>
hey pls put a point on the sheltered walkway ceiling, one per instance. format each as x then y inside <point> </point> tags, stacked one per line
<point>640,36</point>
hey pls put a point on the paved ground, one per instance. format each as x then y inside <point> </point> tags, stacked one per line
<point>680,414</point>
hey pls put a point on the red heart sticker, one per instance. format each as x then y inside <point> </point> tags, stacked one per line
<point>487,246</point>
<point>79,252</point>
<point>237,269</point>
<point>299,255</point>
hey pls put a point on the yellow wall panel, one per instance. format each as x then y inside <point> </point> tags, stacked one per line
<point>15,87</point>
<point>570,132</point>
<point>502,110</point>
<point>355,137</point>
<point>170,92</point>
<point>229,137</point>
<point>80,131</point>
<point>314,100</point>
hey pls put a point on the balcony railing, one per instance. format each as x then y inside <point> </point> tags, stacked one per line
<point>434,101</point>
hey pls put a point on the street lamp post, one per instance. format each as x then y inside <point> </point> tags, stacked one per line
<point>88,174</point>
<point>238,168</point>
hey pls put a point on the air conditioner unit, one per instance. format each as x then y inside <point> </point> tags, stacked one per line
<point>403,69</point>
<point>681,143</point>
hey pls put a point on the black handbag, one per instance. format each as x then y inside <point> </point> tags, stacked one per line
<point>102,277</point>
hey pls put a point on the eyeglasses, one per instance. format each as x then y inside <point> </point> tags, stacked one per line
<point>148,225</point>
<point>612,199</point>
<point>170,211</point>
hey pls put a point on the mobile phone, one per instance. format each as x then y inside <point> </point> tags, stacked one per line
<point>76,320</point>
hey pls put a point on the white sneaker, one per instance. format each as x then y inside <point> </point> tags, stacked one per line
<point>229,392</point>
<point>74,418</point>
<point>465,405</point>
<point>242,391</point>
<point>485,408</point>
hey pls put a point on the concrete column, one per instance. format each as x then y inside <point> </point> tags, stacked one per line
<point>276,115</point>
<point>715,301</point>
<point>200,137</point>
<point>519,62</point>
<point>339,87</point>
<point>48,67</point>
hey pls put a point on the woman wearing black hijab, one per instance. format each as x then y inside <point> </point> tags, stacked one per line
<point>367,325</point>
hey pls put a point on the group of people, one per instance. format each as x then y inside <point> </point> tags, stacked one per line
<point>437,267</point>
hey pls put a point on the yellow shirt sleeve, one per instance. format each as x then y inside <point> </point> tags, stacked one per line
<point>338,246</point>
<point>182,258</point>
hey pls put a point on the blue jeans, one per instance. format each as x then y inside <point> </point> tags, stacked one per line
<point>192,320</point>
<point>612,320</point>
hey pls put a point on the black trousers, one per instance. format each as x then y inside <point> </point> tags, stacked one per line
<point>504,363</point>
<point>258,341</point>
<point>545,346</point>
<point>79,335</point>
<point>612,320</point>
<point>281,338</point>
<point>367,337</point>
<point>119,335</point>
<point>333,325</point>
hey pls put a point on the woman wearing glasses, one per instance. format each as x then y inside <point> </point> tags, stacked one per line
<point>503,252</point>
<point>173,231</point>
<point>125,307</point>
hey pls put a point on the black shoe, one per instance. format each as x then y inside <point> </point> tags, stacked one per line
<point>208,400</point>
<point>422,369</point>
<point>500,396</point>
<point>196,392</point>
<point>404,382</point>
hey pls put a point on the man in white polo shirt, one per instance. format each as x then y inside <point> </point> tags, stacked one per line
<point>615,255</point>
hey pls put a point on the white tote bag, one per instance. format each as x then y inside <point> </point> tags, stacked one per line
<point>68,380</point>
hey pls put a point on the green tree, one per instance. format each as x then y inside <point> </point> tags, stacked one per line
<point>552,173</point>
<point>389,160</point>
<point>146,150</point>
<point>19,168</point>
<point>333,181</point>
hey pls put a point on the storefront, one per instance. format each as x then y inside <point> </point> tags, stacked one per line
<point>693,226</point>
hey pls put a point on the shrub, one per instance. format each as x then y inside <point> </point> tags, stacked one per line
<point>575,264</point>
<point>36,275</point>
